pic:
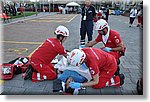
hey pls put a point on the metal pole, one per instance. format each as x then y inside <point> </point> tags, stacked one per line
<point>53,5</point>
<point>23,10</point>
<point>40,5</point>
<point>43,7</point>
<point>36,7</point>
<point>49,6</point>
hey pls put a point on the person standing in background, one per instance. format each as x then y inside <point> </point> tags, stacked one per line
<point>133,14</point>
<point>107,13</point>
<point>139,15</point>
<point>88,13</point>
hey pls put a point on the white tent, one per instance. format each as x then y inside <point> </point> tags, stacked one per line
<point>72,4</point>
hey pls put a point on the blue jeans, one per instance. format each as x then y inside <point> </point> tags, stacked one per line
<point>73,74</point>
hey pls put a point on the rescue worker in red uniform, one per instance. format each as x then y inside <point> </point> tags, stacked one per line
<point>41,67</point>
<point>111,39</point>
<point>102,67</point>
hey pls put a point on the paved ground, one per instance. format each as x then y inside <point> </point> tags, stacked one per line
<point>22,38</point>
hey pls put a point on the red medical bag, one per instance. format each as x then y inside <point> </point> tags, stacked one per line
<point>6,71</point>
<point>14,67</point>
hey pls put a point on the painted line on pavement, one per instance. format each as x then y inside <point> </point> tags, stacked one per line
<point>72,18</point>
<point>1,81</point>
<point>59,19</point>
<point>17,42</point>
<point>42,43</point>
<point>51,21</point>
<point>19,51</point>
<point>37,43</point>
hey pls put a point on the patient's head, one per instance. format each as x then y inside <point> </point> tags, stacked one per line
<point>68,89</point>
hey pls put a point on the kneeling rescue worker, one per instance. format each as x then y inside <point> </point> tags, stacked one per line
<point>102,67</point>
<point>41,67</point>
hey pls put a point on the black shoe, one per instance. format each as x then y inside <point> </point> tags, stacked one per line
<point>28,73</point>
<point>139,86</point>
<point>122,77</point>
<point>82,42</point>
<point>117,71</point>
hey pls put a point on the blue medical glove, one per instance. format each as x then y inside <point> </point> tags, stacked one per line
<point>75,85</point>
<point>107,49</point>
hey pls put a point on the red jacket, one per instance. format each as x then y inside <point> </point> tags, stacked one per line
<point>113,41</point>
<point>49,50</point>
<point>97,60</point>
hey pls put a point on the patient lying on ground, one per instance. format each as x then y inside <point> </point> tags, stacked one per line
<point>67,74</point>
<point>71,76</point>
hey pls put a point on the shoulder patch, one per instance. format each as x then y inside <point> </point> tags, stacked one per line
<point>117,40</point>
<point>92,71</point>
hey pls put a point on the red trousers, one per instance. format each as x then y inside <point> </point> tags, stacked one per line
<point>106,76</point>
<point>115,54</point>
<point>43,71</point>
<point>139,19</point>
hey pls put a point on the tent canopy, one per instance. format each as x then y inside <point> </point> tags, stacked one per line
<point>72,4</point>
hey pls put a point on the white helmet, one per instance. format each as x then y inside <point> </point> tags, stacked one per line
<point>101,24</point>
<point>76,57</point>
<point>62,30</point>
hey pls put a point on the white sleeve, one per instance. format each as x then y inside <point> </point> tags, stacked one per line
<point>131,11</point>
<point>62,64</point>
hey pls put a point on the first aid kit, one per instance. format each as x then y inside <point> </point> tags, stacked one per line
<point>6,71</point>
<point>14,67</point>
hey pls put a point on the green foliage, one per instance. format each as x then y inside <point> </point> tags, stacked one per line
<point>22,15</point>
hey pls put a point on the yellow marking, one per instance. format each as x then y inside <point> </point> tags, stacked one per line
<point>48,21</point>
<point>52,18</point>
<point>40,20</point>
<point>55,19</point>
<point>1,81</point>
<point>19,50</point>
<point>16,42</point>
<point>37,43</point>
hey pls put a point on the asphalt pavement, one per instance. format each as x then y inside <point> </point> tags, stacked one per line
<point>22,38</point>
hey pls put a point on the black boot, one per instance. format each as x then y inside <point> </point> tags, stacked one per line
<point>118,68</point>
<point>28,73</point>
<point>117,71</point>
<point>82,42</point>
<point>122,77</point>
<point>139,86</point>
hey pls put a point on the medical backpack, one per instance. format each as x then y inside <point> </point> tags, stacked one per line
<point>7,71</point>
<point>14,67</point>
